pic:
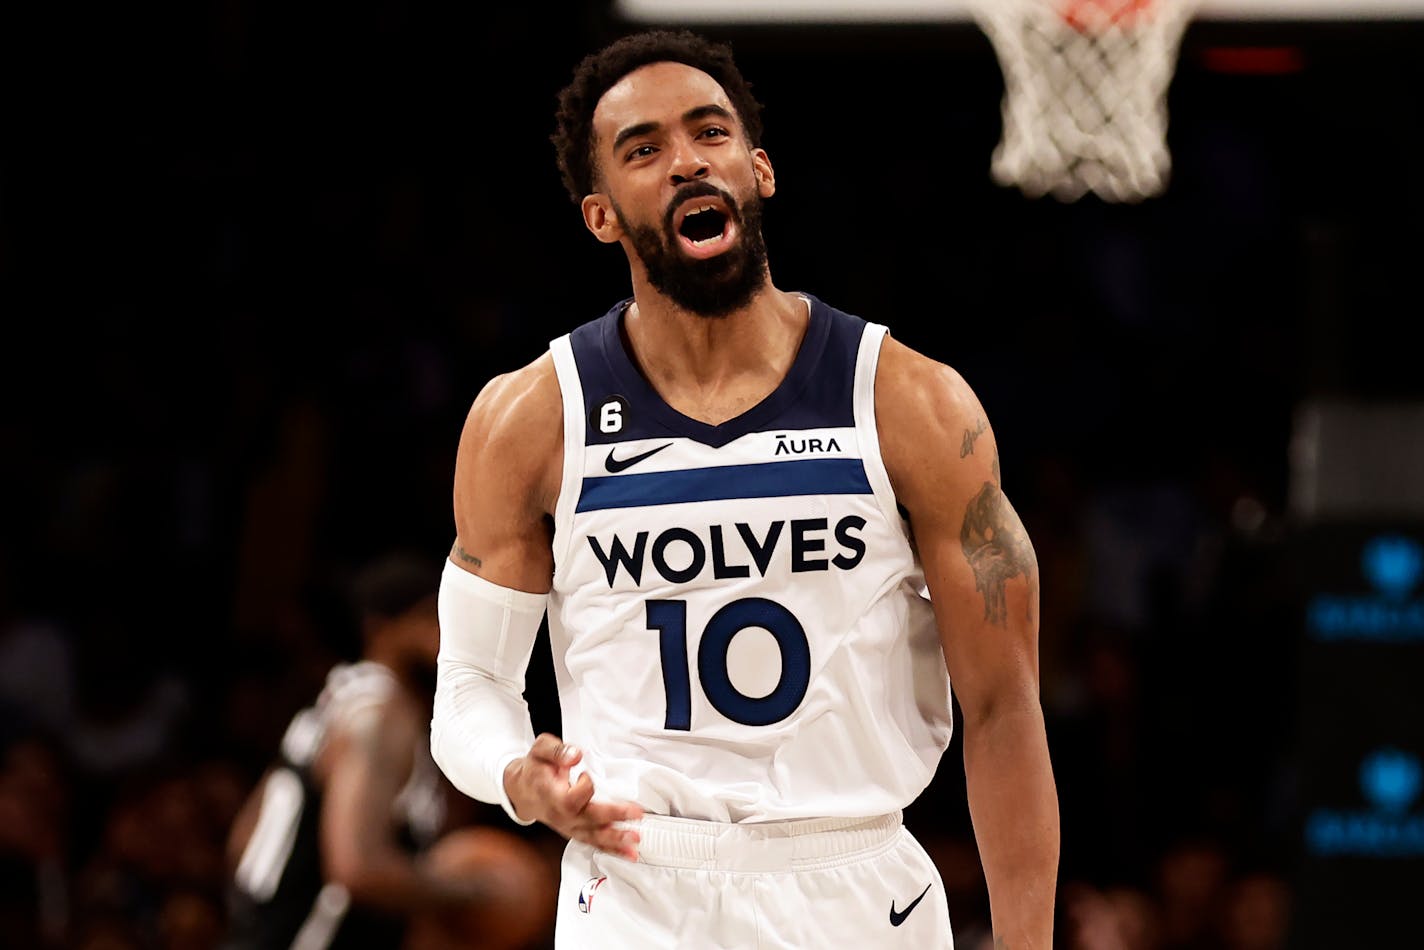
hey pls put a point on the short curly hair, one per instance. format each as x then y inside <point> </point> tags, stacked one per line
<point>600,71</point>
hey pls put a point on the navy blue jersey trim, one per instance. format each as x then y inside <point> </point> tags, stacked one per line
<point>816,393</point>
<point>723,482</point>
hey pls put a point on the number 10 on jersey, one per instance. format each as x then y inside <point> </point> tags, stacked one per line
<point>669,618</point>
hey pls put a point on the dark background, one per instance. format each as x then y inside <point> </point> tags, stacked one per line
<point>256,262</point>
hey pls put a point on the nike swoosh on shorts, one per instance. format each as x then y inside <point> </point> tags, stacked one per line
<point>898,917</point>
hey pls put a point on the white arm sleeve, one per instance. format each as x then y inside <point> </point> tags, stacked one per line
<point>481,722</point>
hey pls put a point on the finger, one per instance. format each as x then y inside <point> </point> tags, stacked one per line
<point>564,756</point>
<point>547,748</point>
<point>620,841</point>
<point>606,813</point>
<point>578,795</point>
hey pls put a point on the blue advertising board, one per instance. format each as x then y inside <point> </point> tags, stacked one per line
<point>1360,745</point>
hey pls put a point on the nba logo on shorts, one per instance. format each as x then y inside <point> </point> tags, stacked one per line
<point>586,893</point>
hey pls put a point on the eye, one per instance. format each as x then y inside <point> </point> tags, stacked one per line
<point>642,151</point>
<point>715,131</point>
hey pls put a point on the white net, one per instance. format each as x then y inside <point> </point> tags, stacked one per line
<point>1085,94</point>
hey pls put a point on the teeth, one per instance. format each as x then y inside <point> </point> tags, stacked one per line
<point>699,209</point>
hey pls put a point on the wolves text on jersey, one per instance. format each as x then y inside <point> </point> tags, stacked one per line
<point>729,551</point>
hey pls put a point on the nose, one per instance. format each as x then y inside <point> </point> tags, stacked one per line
<point>688,165</point>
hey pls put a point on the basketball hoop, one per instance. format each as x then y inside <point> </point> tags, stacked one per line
<point>1085,94</point>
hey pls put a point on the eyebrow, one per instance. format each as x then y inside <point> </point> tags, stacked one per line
<point>691,115</point>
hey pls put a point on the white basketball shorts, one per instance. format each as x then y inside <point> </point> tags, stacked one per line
<point>808,884</point>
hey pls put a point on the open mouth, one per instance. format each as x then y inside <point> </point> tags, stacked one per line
<point>704,227</point>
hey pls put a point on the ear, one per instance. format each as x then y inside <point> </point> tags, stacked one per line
<point>600,218</point>
<point>765,176</point>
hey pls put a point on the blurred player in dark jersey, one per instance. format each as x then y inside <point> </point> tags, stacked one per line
<point>329,850</point>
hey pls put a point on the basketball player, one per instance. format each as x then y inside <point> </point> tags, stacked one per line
<point>765,534</point>
<point>329,850</point>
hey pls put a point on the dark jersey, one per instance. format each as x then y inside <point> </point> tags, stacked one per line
<point>278,897</point>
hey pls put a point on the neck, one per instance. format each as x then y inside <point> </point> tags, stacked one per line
<point>668,341</point>
<point>714,368</point>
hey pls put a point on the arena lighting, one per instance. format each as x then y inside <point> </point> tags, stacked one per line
<point>939,11</point>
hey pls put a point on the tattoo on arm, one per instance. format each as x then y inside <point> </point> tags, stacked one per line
<point>997,549</point>
<point>970,437</point>
<point>998,478</point>
<point>466,556</point>
<point>1001,944</point>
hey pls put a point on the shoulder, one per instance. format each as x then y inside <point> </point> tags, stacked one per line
<point>517,422</point>
<point>358,694</point>
<point>515,400</point>
<point>369,719</point>
<point>931,424</point>
<point>508,470</point>
<point>915,392</point>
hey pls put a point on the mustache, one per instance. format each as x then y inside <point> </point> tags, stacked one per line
<point>699,189</point>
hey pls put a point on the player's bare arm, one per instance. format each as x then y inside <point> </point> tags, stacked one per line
<point>507,471</point>
<point>363,768</point>
<point>507,478</point>
<point>940,451</point>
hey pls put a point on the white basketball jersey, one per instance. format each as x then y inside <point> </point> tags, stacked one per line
<point>737,619</point>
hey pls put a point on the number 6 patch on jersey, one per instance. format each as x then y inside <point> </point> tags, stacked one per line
<point>610,415</point>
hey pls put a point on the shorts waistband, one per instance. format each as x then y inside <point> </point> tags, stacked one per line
<point>796,844</point>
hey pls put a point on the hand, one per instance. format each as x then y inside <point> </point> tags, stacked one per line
<point>538,788</point>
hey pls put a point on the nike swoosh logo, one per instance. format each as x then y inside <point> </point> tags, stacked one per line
<point>618,465</point>
<point>898,917</point>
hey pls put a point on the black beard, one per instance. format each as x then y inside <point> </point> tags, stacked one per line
<point>718,285</point>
